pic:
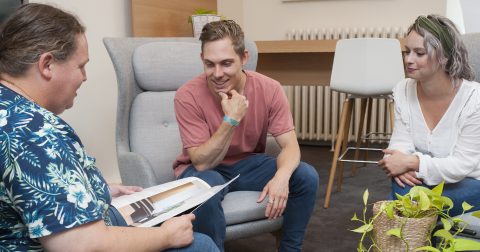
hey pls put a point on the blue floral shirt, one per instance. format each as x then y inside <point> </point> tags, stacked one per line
<point>47,181</point>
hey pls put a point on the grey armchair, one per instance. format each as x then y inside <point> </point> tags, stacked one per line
<point>149,71</point>
<point>472,43</point>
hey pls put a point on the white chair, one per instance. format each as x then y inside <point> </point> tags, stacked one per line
<point>363,68</point>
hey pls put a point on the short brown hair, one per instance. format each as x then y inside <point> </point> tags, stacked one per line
<point>218,30</point>
<point>34,29</point>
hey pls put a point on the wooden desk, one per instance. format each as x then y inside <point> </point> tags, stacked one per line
<point>298,62</point>
<point>165,18</point>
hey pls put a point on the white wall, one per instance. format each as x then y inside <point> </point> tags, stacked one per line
<point>470,14</point>
<point>454,13</point>
<point>270,19</point>
<point>93,115</point>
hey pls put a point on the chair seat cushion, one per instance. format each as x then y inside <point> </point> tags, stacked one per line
<point>473,224</point>
<point>242,206</point>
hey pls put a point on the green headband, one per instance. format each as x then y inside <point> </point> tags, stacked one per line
<point>439,31</point>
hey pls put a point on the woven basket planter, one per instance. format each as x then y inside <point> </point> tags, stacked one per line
<point>416,231</point>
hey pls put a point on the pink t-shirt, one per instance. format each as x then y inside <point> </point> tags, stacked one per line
<point>199,115</point>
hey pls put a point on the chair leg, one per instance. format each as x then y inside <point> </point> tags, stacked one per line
<point>363,107</point>
<point>345,143</point>
<point>278,238</point>
<point>391,108</point>
<point>367,126</point>
<point>336,153</point>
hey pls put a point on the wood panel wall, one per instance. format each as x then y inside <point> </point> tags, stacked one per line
<point>166,18</point>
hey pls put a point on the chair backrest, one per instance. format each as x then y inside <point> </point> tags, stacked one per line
<point>149,71</point>
<point>367,66</point>
<point>472,42</point>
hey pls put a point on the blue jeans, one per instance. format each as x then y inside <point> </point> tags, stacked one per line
<point>200,242</point>
<point>256,171</point>
<point>466,190</point>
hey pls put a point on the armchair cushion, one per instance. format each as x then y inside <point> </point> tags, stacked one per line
<point>151,111</point>
<point>153,74</point>
<point>241,206</point>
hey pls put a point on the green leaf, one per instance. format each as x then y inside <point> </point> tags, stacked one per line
<point>466,206</point>
<point>399,197</point>
<point>446,224</point>
<point>447,202</point>
<point>476,214</point>
<point>427,248</point>
<point>363,229</point>
<point>438,203</point>
<point>424,203</point>
<point>457,220</point>
<point>201,11</point>
<point>389,210</point>
<point>406,207</point>
<point>444,234</point>
<point>354,218</point>
<point>413,193</point>
<point>365,197</point>
<point>449,249</point>
<point>437,190</point>
<point>397,232</point>
<point>466,245</point>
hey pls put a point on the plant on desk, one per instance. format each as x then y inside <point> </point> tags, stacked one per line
<point>407,223</point>
<point>201,11</point>
<point>200,17</point>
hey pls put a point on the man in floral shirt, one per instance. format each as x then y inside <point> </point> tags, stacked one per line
<point>47,178</point>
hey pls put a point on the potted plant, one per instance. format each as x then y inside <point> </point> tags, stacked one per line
<point>200,17</point>
<point>408,223</point>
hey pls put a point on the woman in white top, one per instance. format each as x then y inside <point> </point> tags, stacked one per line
<point>437,116</point>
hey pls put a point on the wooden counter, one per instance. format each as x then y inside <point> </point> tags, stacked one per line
<point>297,62</point>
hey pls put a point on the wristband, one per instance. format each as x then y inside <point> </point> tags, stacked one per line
<point>230,121</point>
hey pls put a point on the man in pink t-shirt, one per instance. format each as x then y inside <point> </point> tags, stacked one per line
<point>224,116</point>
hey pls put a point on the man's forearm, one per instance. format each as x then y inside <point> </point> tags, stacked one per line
<point>212,152</point>
<point>288,160</point>
<point>96,236</point>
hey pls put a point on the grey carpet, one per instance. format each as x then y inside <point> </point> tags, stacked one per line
<point>328,229</point>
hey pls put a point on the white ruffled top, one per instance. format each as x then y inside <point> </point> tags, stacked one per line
<point>451,151</point>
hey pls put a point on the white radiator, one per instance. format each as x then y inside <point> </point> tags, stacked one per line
<point>344,33</point>
<point>316,113</point>
<point>316,109</point>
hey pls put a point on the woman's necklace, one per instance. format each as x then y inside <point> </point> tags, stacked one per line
<point>22,92</point>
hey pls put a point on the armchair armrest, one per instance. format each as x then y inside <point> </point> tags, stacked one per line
<point>272,148</point>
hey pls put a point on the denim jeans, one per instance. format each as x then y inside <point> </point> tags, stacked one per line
<point>256,171</point>
<point>466,190</point>
<point>200,242</point>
